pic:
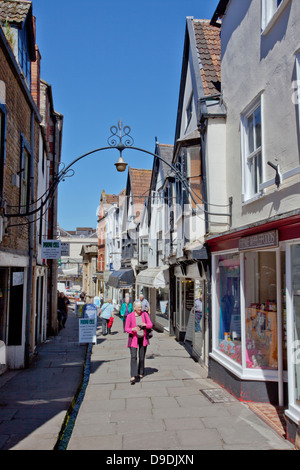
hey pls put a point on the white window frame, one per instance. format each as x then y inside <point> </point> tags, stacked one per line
<point>293,411</point>
<point>270,12</point>
<point>240,370</point>
<point>248,193</point>
<point>296,87</point>
<point>144,249</point>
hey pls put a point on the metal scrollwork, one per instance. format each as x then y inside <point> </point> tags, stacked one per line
<point>117,137</point>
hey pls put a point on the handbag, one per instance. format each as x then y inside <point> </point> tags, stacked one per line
<point>110,322</point>
<point>149,333</point>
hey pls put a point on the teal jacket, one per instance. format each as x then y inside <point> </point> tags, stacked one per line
<point>123,309</point>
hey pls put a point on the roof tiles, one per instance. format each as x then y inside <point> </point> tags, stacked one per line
<point>14,11</point>
<point>209,52</point>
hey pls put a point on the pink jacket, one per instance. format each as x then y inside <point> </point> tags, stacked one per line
<point>131,323</point>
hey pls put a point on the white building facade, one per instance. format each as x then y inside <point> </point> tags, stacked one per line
<point>255,264</point>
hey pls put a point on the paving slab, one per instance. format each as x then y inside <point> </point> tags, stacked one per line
<point>168,409</point>
<point>174,407</point>
<point>34,401</point>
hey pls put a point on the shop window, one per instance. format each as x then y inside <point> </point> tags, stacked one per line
<point>261,310</point>
<point>199,326</point>
<point>184,301</point>
<point>162,306</point>
<point>228,296</point>
<point>296,317</point>
<point>15,323</point>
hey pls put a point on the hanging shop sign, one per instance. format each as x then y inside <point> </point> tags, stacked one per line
<point>259,240</point>
<point>65,249</point>
<point>51,249</point>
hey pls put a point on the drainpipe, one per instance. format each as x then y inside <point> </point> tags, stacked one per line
<point>30,246</point>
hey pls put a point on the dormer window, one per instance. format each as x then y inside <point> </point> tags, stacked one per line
<point>24,55</point>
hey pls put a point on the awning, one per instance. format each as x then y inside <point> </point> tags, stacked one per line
<point>106,275</point>
<point>121,279</point>
<point>154,277</point>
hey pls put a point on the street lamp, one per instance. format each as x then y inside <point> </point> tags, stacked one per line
<point>120,140</point>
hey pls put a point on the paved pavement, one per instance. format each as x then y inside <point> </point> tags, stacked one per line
<point>174,407</point>
<point>34,401</point>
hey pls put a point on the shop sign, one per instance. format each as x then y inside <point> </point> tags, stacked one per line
<point>65,249</point>
<point>51,249</point>
<point>260,240</point>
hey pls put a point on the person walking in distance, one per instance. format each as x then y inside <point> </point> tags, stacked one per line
<point>106,311</point>
<point>62,310</point>
<point>136,326</point>
<point>145,304</point>
<point>126,309</point>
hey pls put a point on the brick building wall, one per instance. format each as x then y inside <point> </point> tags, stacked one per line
<point>18,123</point>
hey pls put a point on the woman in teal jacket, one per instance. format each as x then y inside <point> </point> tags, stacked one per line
<point>126,308</point>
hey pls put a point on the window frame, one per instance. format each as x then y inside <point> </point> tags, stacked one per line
<point>24,56</point>
<point>248,193</point>
<point>24,181</point>
<point>2,146</point>
<point>296,97</point>
<point>189,110</point>
<point>270,13</point>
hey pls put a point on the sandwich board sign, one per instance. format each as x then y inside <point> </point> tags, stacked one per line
<point>87,330</point>
<point>88,324</point>
<point>51,249</point>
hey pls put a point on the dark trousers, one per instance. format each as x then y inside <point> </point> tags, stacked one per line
<point>137,367</point>
<point>105,330</point>
<point>124,322</point>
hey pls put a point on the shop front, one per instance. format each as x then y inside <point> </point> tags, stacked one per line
<point>256,314</point>
<point>191,317</point>
<point>13,285</point>
<point>154,284</point>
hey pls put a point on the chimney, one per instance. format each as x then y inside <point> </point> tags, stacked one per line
<point>36,72</point>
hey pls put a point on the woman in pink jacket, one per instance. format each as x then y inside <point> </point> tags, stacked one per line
<point>137,324</point>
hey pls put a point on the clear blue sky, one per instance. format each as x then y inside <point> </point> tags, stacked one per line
<point>106,60</point>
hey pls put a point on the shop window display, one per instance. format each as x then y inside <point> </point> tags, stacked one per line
<point>184,301</point>
<point>228,286</point>
<point>296,309</point>
<point>162,306</point>
<point>261,310</point>
<point>199,325</point>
